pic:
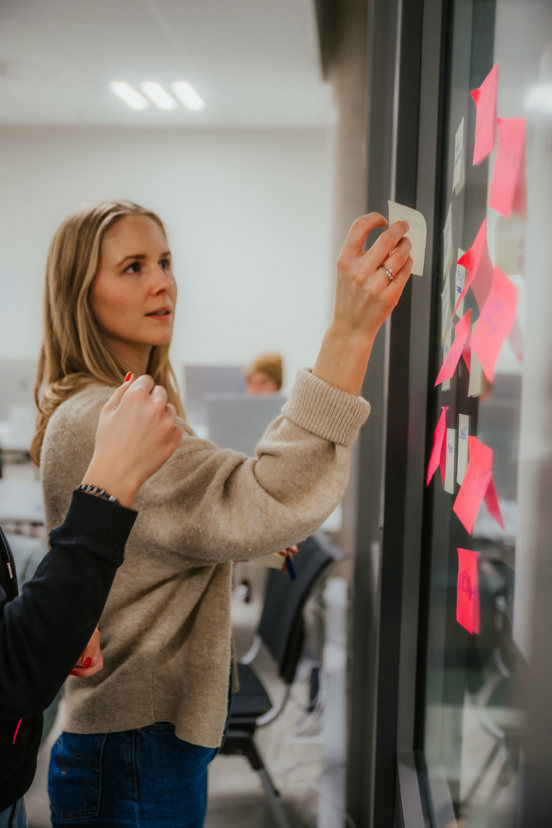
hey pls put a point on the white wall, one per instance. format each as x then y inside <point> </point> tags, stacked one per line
<point>249,219</point>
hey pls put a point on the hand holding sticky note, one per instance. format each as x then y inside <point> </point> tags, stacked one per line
<point>417,232</point>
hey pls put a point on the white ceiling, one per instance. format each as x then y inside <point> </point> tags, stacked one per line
<point>255,62</point>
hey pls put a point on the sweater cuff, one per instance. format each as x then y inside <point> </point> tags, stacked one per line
<point>325,410</point>
<point>101,523</point>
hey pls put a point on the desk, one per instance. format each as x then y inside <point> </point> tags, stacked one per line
<point>15,443</point>
<point>21,502</point>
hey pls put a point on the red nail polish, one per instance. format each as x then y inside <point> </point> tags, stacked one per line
<point>73,673</point>
<point>128,376</point>
<point>87,662</point>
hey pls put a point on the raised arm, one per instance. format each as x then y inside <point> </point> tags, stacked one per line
<point>369,285</point>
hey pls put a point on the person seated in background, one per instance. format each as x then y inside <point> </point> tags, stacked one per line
<point>265,374</point>
<point>45,629</point>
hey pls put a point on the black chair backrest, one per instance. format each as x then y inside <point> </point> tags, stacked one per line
<point>281,626</point>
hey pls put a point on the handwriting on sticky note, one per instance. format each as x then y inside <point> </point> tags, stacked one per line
<point>417,232</point>
<point>485,119</point>
<point>474,489</point>
<point>437,458</point>
<point>479,270</point>
<point>508,187</point>
<point>467,592</point>
<point>459,282</point>
<point>461,335</point>
<point>495,322</point>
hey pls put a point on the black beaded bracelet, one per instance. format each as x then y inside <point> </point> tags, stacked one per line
<point>95,490</point>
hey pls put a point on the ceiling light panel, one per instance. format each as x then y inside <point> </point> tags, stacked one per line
<point>129,95</point>
<point>186,93</point>
<point>158,95</point>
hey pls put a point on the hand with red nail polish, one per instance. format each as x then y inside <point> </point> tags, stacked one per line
<point>91,660</point>
<point>137,433</point>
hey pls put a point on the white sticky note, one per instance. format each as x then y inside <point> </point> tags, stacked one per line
<point>463,434</point>
<point>447,242</point>
<point>459,281</point>
<point>475,385</point>
<point>417,232</point>
<point>459,170</point>
<point>451,460</point>
<point>446,311</point>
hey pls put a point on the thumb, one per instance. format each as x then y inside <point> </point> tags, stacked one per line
<point>119,393</point>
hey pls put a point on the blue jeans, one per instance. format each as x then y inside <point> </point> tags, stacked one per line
<point>14,816</point>
<point>145,778</point>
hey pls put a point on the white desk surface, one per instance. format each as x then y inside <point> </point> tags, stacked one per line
<point>15,439</point>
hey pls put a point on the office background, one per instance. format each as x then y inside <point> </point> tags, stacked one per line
<point>249,219</point>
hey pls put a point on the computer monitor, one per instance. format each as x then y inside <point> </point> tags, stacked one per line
<point>238,421</point>
<point>200,380</point>
<point>17,381</point>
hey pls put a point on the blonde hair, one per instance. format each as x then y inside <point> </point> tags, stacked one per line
<point>74,352</point>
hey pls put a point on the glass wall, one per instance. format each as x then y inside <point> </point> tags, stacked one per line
<point>477,564</point>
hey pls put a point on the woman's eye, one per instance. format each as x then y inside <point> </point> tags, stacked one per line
<point>134,267</point>
<point>165,264</point>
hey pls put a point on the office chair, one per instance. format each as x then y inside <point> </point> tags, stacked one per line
<point>281,632</point>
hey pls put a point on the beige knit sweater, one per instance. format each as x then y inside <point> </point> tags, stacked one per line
<point>165,630</point>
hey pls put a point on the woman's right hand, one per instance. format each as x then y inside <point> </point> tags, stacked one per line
<point>137,433</point>
<point>369,285</point>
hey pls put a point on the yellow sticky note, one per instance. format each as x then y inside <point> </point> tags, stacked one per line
<point>417,232</point>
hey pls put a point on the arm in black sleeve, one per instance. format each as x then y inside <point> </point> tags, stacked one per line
<point>44,630</point>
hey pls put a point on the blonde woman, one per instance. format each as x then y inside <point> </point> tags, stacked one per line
<point>137,737</point>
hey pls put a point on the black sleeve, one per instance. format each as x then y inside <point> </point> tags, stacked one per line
<point>44,630</point>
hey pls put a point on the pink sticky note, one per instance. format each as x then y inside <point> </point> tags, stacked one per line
<point>467,591</point>
<point>479,270</point>
<point>474,488</point>
<point>485,118</point>
<point>495,322</point>
<point>508,188</point>
<point>438,457</point>
<point>461,336</point>
<point>491,502</point>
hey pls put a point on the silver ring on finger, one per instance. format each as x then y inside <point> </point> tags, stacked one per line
<point>388,272</point>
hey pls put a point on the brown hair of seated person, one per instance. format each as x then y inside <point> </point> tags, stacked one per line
<point>265,374</point>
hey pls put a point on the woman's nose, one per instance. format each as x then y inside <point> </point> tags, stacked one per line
<point>162,279</point>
